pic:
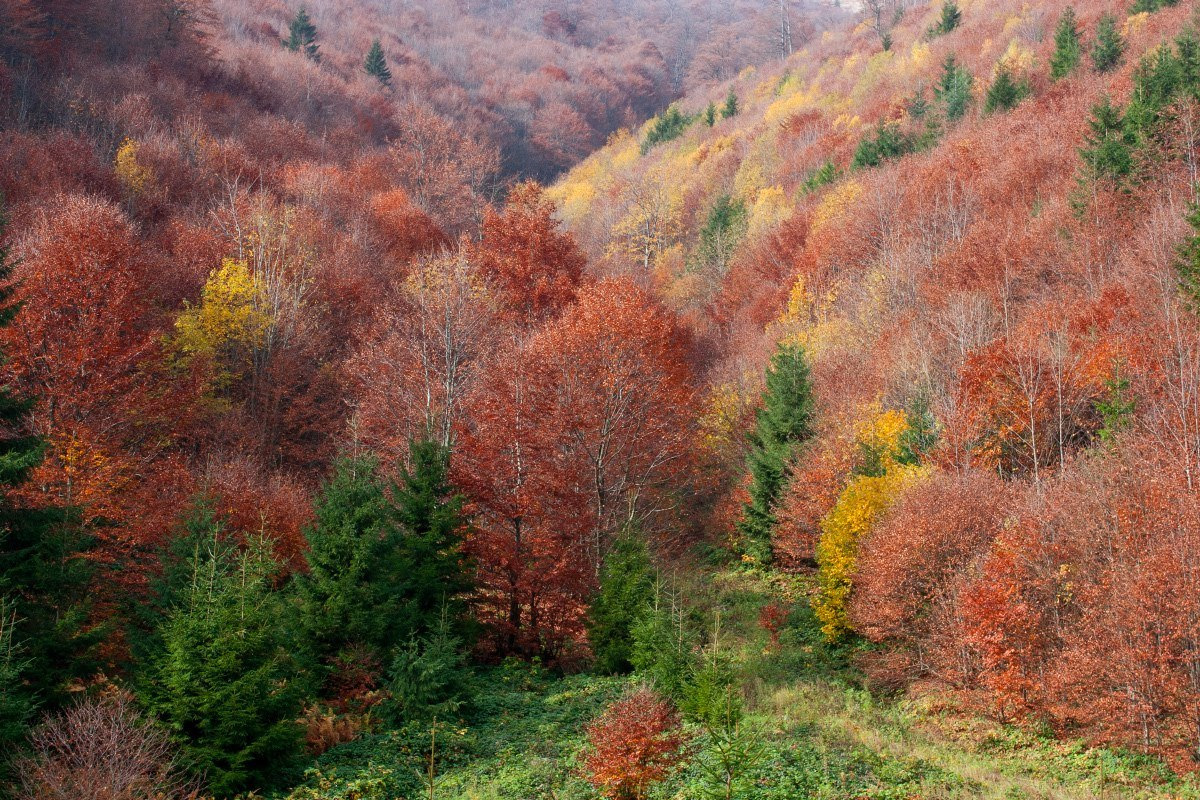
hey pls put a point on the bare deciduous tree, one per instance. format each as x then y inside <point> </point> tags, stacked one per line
<point>102,749</point>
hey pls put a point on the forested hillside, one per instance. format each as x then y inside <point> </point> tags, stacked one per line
<point>976,226</point>
<point>825,424</point>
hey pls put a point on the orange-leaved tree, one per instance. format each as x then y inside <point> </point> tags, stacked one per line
<point>634,744</point>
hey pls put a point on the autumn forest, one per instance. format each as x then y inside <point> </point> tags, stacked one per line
<point>576,399</point>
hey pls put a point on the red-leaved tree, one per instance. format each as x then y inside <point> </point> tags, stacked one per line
<point>634,744</point>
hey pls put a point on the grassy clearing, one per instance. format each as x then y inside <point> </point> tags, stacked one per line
<point>824,736</point>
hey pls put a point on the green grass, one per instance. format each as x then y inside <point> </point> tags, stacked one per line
<point>824,735</point>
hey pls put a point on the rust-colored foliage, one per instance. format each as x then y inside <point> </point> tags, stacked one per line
<point>579,432</point>
<point>533,268</point>
<point>914,567</point>
<point>634,744</point>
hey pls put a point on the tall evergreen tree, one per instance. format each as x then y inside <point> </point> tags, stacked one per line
<point>376,64</point>
<point>1005,92</point>
<point>429,676</point>
<point>730,109</point>
<point>353,590</point>
<point>1109,47</point>
<point>428,553</point>
<point>625,596</point>
<point>302,36</point>
<point>1068,47</point>
<point>225,679</point>
<point>953,89</point>
<point>1187,45</point>
<point>1108,150</point>
<point>16,704</point>
<point>784,421</point>
<point>724,228</point>
<point>949,20</point>
<point>1188,263</point>
<point>710,115</point>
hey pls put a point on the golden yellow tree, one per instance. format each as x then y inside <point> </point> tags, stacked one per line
<point>228,324</point>
<point>868,494</point>
<point>135,176</point>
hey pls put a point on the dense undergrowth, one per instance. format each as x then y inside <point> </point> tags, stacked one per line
<point>822,733</point>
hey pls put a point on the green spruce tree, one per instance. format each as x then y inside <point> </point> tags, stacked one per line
<point>225,677</point>
<point>428,677</point>
<point>302,36</point>
<point>710,115</point>
<point>784,422</point>
<point>730,109</point>
<point>1109,47</point>
<point>1116,408</point>
<point>667,126</point>
<point>352,592</point>
<point>1187,265</point>
<point>1187,45</point>
<point>376,64</point>
<point>1005,92</point>
<point>722,231</point>
<point>953,89</point>
<point>626,594</point>
<point>662,643</point>
<point>887,143</point>
<point>1108,150</point>
<point>428,554</point>
<point>949,20</point>
<point>16,703</point>
<point>1068,47</point>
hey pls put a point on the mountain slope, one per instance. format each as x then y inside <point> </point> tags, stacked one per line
<point>1005,286</point>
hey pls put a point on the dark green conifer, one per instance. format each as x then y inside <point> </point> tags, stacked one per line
<point>376,64</point>
<point>349,594</point>
<point>730,109</point>
<point>225,677</point>
<point>45,642</point>
<point>783,423</point>
<point>949,20</point>
<point>1109,47</point>
<point>625,596</point>
<point>953,89</point>
<point>1188,262</point>
<point>428,555</point>
<point>1108,150</point>
<point>302,36</point>
<point>1005,92</point>
<point>1068,47</point>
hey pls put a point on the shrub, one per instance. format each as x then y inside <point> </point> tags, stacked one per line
<point>634,744</point>
<point>102,749</point>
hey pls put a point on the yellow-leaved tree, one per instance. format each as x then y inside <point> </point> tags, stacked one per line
<point>135,176</point>
<point>885,470</point>
<point>228,324</point>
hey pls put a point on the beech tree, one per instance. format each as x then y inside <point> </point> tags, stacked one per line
<point>533,267</point>
<point>634,744</point>
<point>618,396</point>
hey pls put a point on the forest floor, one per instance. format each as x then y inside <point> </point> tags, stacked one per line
<point>824,735</point>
